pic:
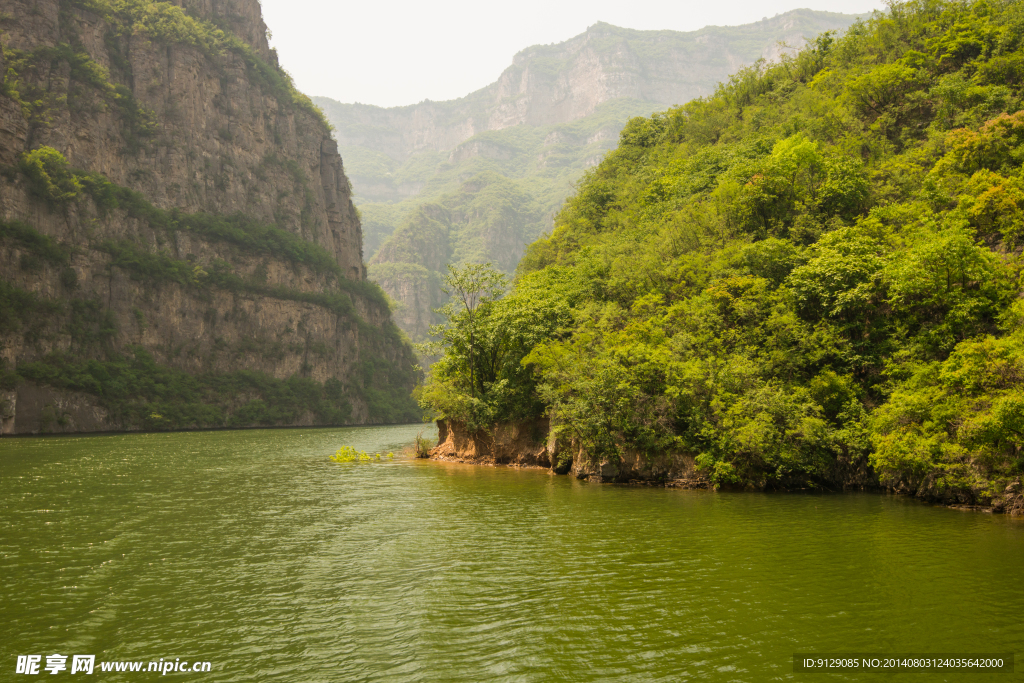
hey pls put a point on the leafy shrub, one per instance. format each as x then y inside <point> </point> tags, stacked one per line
<point>49,176</point>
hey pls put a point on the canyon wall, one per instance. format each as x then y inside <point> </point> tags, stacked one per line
<point>178,244</point>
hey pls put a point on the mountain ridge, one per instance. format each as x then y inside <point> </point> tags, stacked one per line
<point>562,82</point>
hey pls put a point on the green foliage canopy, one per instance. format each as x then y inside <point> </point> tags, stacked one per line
<point>807,278</point>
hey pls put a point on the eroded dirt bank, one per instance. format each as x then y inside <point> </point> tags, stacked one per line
<point>532,444</point>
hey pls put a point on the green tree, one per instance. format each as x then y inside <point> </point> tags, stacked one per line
<point>469,287</point>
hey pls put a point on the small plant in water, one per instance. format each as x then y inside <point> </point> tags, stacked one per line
<point>349,454</point>
<point>423,446</point>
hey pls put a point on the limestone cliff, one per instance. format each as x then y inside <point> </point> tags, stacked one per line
<point>178,245</point>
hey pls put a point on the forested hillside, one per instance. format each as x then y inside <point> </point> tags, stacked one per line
<point>811,278</point>
<point>524,140</point>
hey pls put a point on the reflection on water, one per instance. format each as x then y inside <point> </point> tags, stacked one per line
<point>252,550</point>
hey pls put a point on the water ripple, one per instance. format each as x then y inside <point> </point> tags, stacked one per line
<point>253,551</point>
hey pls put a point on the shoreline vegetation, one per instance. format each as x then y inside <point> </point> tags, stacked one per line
<point>809,280</point>
<point>551,464</point>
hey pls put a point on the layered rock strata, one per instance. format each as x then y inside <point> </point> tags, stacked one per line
<point>168,199</point>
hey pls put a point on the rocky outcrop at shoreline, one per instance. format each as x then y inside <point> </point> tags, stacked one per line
<point>532,444</point>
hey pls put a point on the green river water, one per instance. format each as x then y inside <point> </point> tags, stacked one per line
<point>253,551</point>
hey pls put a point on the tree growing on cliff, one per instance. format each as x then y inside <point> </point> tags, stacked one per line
<point>460,380</point>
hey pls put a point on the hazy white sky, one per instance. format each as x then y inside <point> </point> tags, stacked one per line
<point>402,52</point>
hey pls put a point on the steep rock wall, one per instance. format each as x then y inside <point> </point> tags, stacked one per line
<point>184,105</point>
<point>223,142</point>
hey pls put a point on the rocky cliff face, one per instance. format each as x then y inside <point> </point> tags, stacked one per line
<point>221,143</point>
<point>169,201</point>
